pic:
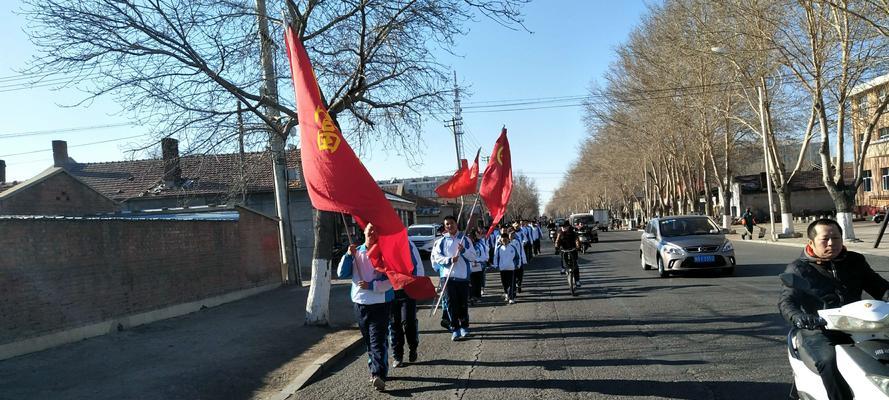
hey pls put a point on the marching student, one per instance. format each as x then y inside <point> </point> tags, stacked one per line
<point>527,240</point>
<point>403,324</point>
<point>452,255</point>
<point>535,235</point>
<point>477,275</point>
<point>372,294</point>
<point>520,270</point>
<point>506,260</point>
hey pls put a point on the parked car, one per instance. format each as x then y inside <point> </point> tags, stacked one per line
<point>685,243</point>
<point>879,216</point>
<point>423,236</point>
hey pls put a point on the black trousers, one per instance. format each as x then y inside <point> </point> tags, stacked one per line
<point>507,278</point>
<point>445,319</point>
<point>820,347</point>
<point>476,283</point>
<point>373,320</point>
<point>519,274</point>
<point>458,304</point>
<point>576,271</point>
<point>536,246</point>
<point>403,326</point>
<point>528,252</point>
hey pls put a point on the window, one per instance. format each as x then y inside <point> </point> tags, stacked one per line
<point>862,105</point>
<point>884,176</point>
<point>884,133</point>
<point>866,181</point>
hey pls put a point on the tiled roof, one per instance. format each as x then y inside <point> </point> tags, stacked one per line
<point>802,180</point>
<point>210,174</point>
<point>421,201</point>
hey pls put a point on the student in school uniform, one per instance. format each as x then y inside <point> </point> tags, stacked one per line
<point>403,324</point>
<point>520,271</point>
<point>452,256</point>
<point>477,274</point>
<point>506,260</point>
<point>372,296</point>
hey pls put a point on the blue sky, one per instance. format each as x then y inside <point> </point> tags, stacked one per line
<point>572,44</point>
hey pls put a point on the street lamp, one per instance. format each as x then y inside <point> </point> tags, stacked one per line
<point>765,148</point>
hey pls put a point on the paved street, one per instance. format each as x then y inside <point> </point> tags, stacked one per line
<point>629,334</point>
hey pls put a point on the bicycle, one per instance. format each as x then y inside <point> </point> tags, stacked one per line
<point>572,264</point>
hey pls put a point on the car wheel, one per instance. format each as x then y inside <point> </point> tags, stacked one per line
<point>645,267</point>
<point>661,270</point>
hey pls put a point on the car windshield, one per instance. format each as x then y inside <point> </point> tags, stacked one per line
<point>586,220</point>
<point>421,231</point>
<point>687,226</point>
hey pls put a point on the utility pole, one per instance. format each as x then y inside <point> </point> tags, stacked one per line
<point>456,123</point>
<point>277,141</point>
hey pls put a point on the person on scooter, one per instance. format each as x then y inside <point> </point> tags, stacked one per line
<point>567,239</point>
<point>836,277</point>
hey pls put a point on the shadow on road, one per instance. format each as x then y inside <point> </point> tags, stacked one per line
<point>617,387</point>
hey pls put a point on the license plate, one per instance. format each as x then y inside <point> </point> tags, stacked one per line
<point>705,259</point>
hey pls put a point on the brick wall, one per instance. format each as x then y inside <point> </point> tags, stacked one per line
<point>58,194</point>
<point>58,274</point>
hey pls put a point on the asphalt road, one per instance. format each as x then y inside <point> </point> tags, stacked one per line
<point>628,334</point>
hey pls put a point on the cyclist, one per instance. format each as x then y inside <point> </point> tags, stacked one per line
<point>567,239</point>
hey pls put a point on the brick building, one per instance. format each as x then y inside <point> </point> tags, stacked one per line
<point>874,190</point>
<point>54,191</point>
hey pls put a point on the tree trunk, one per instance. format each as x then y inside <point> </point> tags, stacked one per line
<point>786,213</point>
<point>318,302</point>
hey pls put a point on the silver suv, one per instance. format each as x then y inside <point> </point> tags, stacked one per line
<point>684,243</point>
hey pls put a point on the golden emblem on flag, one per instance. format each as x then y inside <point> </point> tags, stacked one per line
<point>328,136</point>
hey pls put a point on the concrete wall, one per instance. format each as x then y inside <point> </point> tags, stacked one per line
<point>59,194</point>
<point>802,202</point>
<point>61,274</point>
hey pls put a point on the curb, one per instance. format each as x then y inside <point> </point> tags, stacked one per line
<point>800,245</point>
<point>316,368</point>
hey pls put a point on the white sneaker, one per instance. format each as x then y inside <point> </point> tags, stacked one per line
<point>512,302</point>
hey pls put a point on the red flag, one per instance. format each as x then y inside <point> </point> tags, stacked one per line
<point>497,180</point>
<point>335,178</point>
<point>464,181</point>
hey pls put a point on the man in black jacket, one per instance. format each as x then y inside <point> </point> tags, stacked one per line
<point>836,277</point>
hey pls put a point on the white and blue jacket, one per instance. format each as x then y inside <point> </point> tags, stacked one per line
<point>506,258</point>
<point>535,232</point>
<point>526,234</point>
<point>360,268</point>
<point>445,248</point>
<point>517,244</point>
<point>481,253</point>
<point>418,262</point>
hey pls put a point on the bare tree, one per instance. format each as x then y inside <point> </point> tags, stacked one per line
<point>524,202</point>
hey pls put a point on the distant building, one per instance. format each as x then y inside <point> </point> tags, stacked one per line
<point>873,193</point>
<point>423,187</point>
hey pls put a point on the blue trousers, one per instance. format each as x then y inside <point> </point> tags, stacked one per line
<point>458,304</point>
<point>403,326</point>
<point>373,320</point>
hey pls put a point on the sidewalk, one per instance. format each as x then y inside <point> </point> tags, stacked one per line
<point>256,348</point>
<point>865,231</point>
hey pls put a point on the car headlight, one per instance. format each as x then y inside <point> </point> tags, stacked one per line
<point>881,382</point>
<point>673,250</point>
<point>728,246</point>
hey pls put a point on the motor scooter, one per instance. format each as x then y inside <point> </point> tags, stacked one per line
<point>864,364</point>
<point>584,238</point>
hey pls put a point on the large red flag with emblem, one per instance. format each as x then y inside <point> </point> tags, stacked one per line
<point>497,180</point>
<point>464,181</point>
<point>337,180</point>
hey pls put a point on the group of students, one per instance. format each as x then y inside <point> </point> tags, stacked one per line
<point>386,315</point>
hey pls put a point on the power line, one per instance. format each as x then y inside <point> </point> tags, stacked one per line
<point>76,145</point>
<point>62,130</point>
